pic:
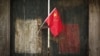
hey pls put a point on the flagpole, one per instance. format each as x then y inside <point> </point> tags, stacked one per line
<point>48,27</point>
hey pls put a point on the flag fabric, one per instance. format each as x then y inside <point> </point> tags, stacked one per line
<point>54,22</point>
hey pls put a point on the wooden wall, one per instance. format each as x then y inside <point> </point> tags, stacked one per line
<point>24,27</point>
<point>4,27</point>
<point>73,12</point>
<point>94,18</point>
<point>94,27</point>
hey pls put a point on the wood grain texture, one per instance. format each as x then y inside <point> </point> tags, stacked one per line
<point>4,27</point>
<point>27,39</point>
<point>94,29</point>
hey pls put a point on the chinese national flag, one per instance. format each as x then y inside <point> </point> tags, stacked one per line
<point>54,22</point>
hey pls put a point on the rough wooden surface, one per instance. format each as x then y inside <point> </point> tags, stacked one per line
<point>94,28</point>
<point>4,27</point>
<point>27,39</point>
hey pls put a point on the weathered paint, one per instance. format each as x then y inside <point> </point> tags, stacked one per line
<point>69,42</point>
<point>24,25</point>
<point>27,38</point>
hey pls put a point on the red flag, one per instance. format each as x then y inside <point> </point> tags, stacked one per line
<point>54,22</point>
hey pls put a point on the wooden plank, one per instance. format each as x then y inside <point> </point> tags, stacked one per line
<point>27,39</point>
<point>24,26</point>
<point>72,12</point>
<point>4,28</point>
<point>94,29</point>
